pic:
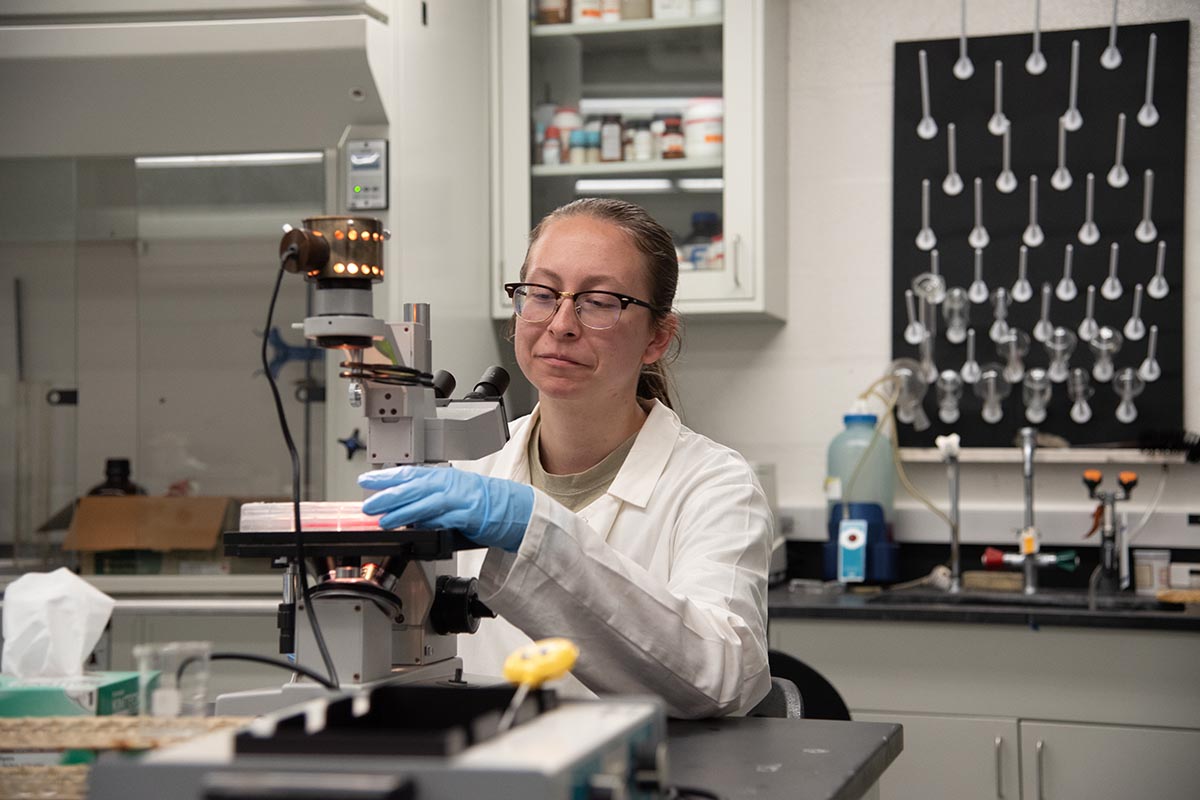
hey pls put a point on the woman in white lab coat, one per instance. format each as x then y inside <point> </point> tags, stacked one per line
<point>607,521</point>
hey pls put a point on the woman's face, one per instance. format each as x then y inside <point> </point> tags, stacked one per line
<point>561,357</point>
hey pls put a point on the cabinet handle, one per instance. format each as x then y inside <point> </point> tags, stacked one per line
<point>735,250</point>
<point>1040,746</point>
<point>999,782</point>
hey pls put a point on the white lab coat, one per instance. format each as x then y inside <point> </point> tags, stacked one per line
<point>661,582</point>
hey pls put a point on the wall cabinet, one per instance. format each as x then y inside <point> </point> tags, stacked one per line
<point>637,68</point>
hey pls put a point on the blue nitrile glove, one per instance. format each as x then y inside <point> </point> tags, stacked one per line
<point>491,511</point>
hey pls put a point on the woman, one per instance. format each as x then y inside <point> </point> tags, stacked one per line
<point>644,542</point>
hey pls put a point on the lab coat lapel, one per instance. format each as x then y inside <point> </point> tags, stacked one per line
<point>646,461</point>
<point>601,513</point>
<point>640,473</point>
<point>512,462</point>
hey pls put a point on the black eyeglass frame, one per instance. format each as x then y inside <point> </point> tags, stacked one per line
<point>624,299</point>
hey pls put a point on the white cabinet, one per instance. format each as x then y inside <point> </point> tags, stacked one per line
<point>1066,761</point>
<point>1116,710</point>
<point>951,757</point>
<point>640,67</point>
<point>1002,758</point>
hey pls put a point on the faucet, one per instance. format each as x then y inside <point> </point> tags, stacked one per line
<point>1111,579</point>
<point>948,447</point>
<point>1029,556</point>
<point>1029,536</point>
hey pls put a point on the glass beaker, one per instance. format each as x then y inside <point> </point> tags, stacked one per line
<point>173,678</point>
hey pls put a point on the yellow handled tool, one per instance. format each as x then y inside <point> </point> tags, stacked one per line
<point>534,664</point>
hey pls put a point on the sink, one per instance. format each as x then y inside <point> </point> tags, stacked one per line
<point>1045,598</point>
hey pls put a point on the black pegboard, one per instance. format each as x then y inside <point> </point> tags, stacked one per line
<point>1033,104</point>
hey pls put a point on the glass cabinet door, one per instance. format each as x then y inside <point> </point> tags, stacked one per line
<point>664,112</point>
<point>133,294</point>
<point>37,350</point>
<point>632,110</point>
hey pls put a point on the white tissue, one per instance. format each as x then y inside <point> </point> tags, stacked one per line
<point>52,622</point>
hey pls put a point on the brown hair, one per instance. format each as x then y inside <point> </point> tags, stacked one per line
<point>654,242</point>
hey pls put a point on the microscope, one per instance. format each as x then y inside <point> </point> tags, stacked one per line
<point>387,603</point>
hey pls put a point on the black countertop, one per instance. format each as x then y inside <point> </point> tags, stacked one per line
<point>1050,608</point>
<point>730,758</point>
<point>809,759</point>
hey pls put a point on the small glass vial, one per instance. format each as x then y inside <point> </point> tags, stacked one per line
<point>671,143</point>
<point>643,140</point>
<point>584,11</point>
<point>627,143</point>
<point>553,12</point>
<point>635,9</point>
<point>610,138</point>
<point>552,147</point>
<point>593,147</point>
<point>578,148</point>
<point>657,126</point>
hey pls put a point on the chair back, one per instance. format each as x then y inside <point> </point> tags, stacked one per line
<point>819,697</point>
<point>782,701</point>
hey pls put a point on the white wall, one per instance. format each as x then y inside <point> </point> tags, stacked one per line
<point>777,393</point>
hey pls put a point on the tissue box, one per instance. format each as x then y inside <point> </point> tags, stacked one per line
<point>90,694</point>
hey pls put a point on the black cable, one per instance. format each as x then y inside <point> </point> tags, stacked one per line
<point>287,254</point>
<point>255,657</point>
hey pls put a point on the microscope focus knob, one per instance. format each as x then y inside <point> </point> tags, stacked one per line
<point>456,606</point>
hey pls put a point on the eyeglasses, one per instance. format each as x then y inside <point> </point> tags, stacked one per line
<point>597,310</point>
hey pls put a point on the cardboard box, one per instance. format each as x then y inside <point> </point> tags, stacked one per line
<point>90,694</point>
<point>140,535</point>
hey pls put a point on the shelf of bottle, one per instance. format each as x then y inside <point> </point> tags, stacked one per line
<point>625,26</point>
<point>627,167</point>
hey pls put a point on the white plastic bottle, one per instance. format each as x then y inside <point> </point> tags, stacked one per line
<point>859,498</point>
<point>875,481</point>
<point>704,127</point>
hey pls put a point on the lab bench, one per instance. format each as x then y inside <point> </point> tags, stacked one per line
<point>744,757</point>
<point>732,758</point>
<point>761,758</point>
<point>1010,700</point>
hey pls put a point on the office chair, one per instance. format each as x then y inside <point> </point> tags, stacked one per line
<point>819,698</point>
<point>782,701</point>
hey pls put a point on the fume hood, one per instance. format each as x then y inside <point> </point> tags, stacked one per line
<point>116,82</point>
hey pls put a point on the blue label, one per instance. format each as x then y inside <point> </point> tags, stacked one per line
<point>852,551</point>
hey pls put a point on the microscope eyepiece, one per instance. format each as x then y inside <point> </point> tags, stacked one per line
<point>491,386</point>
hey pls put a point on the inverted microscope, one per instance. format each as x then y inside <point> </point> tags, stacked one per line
<point>388,604</point>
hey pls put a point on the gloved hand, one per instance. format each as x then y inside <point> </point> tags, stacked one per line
<point>491,511</point>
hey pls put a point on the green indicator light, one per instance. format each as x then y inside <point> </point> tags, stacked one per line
<point>357,189</point>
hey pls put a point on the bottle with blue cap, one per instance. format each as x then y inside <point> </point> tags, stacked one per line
<point>706,226</point>
<point>859,492</point>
